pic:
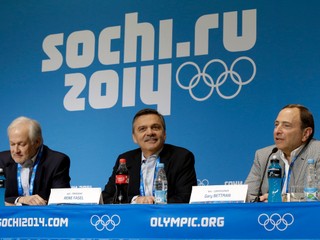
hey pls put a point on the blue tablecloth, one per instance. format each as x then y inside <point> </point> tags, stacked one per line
<point>171,221</point>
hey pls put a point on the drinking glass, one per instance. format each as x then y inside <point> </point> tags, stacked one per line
<point>296,194</point>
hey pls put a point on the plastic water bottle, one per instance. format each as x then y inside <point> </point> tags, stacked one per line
<point>275,181</point>
<point>310,186</point>
<point>160,185</point>
<point>2,187</point>
<point>122,182</point>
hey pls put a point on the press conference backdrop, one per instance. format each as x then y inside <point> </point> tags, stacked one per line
<point>218,70</point>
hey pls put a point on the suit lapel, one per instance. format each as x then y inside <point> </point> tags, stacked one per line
<point>12,169</point>
<point>39,172</point>
<point>134,167</point>
<point>298,167</point>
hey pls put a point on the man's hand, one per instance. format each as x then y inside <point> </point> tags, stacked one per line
<point>32,200</point>
<point>145,200</point>
<point>264,198</point>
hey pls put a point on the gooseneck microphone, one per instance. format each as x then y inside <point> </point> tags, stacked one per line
<point>257,199</point>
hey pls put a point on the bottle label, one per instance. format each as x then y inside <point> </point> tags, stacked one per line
<point>2,183</point>
<point>310,194</point>
<point>274,173</point>
<point>122,179</point>
<point>274,189</point>
<point>160,196</point>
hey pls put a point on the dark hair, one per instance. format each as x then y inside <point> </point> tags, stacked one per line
<point>306,117</point>
<point>147,111</point>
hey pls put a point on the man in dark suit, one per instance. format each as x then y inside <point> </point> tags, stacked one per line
<point>149,132</point>
<point>31,168</point>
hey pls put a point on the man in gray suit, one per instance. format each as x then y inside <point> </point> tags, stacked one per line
<point>294,145</point>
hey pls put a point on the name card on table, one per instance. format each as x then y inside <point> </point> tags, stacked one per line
<point>75,196</point>
<point>219,194</point>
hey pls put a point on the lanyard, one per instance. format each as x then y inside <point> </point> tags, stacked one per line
<point>291,166</point>
<point>289,172</point>
<point>20,189</point>
<point>142,192</point>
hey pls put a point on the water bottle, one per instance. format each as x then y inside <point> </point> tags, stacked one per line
<point>122,182</point>
<point>310,185</point>
<point>2,187</point>
<point>160,185</point>
<point>275,181</point>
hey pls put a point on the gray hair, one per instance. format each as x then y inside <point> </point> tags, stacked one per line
<point>35,131</point>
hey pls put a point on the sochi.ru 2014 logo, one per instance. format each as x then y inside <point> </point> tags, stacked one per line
<point>105,222</point>
<point>275,221</point>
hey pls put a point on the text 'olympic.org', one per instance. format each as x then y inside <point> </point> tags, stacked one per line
<point>195,222</point>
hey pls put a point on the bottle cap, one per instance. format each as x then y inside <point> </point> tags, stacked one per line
<point>311,161</point>
<point>122,160</point>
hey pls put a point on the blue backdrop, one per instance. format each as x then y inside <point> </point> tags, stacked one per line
<point>218,70</point>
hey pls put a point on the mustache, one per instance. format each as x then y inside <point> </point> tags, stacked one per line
<point>148,138</point>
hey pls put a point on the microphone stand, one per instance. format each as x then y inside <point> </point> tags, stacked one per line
<point>257,199</point>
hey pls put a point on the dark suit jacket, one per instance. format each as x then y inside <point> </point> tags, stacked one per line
<point>52,172</point>
<point>179,167</point>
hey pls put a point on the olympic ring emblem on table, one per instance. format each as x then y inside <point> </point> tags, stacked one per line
<point>275,221</point>
<point>105,221</point>
<point>203,182</point>
<point>209,81</point>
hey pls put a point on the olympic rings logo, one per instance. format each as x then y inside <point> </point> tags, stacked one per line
<point>221,79</point>
<point>203,182</point>
<point>275,221</point>
<point>105,221</point>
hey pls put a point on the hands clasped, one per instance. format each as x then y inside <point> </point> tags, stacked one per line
<point>145,200</point>
<point>32,200</point>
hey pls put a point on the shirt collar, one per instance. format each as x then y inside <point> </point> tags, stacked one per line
<point>30,162</point>
<point>293,154</point>
<point>151,157</point>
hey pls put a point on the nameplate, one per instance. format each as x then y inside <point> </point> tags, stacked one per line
<point>219,194</point>
<point>75,196</point>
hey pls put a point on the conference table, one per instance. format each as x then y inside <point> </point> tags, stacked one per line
<point>292,220</point>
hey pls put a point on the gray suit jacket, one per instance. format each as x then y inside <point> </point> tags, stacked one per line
<point>312,150</point>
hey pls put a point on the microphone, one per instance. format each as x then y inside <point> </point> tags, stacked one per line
<point>257,199</point>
